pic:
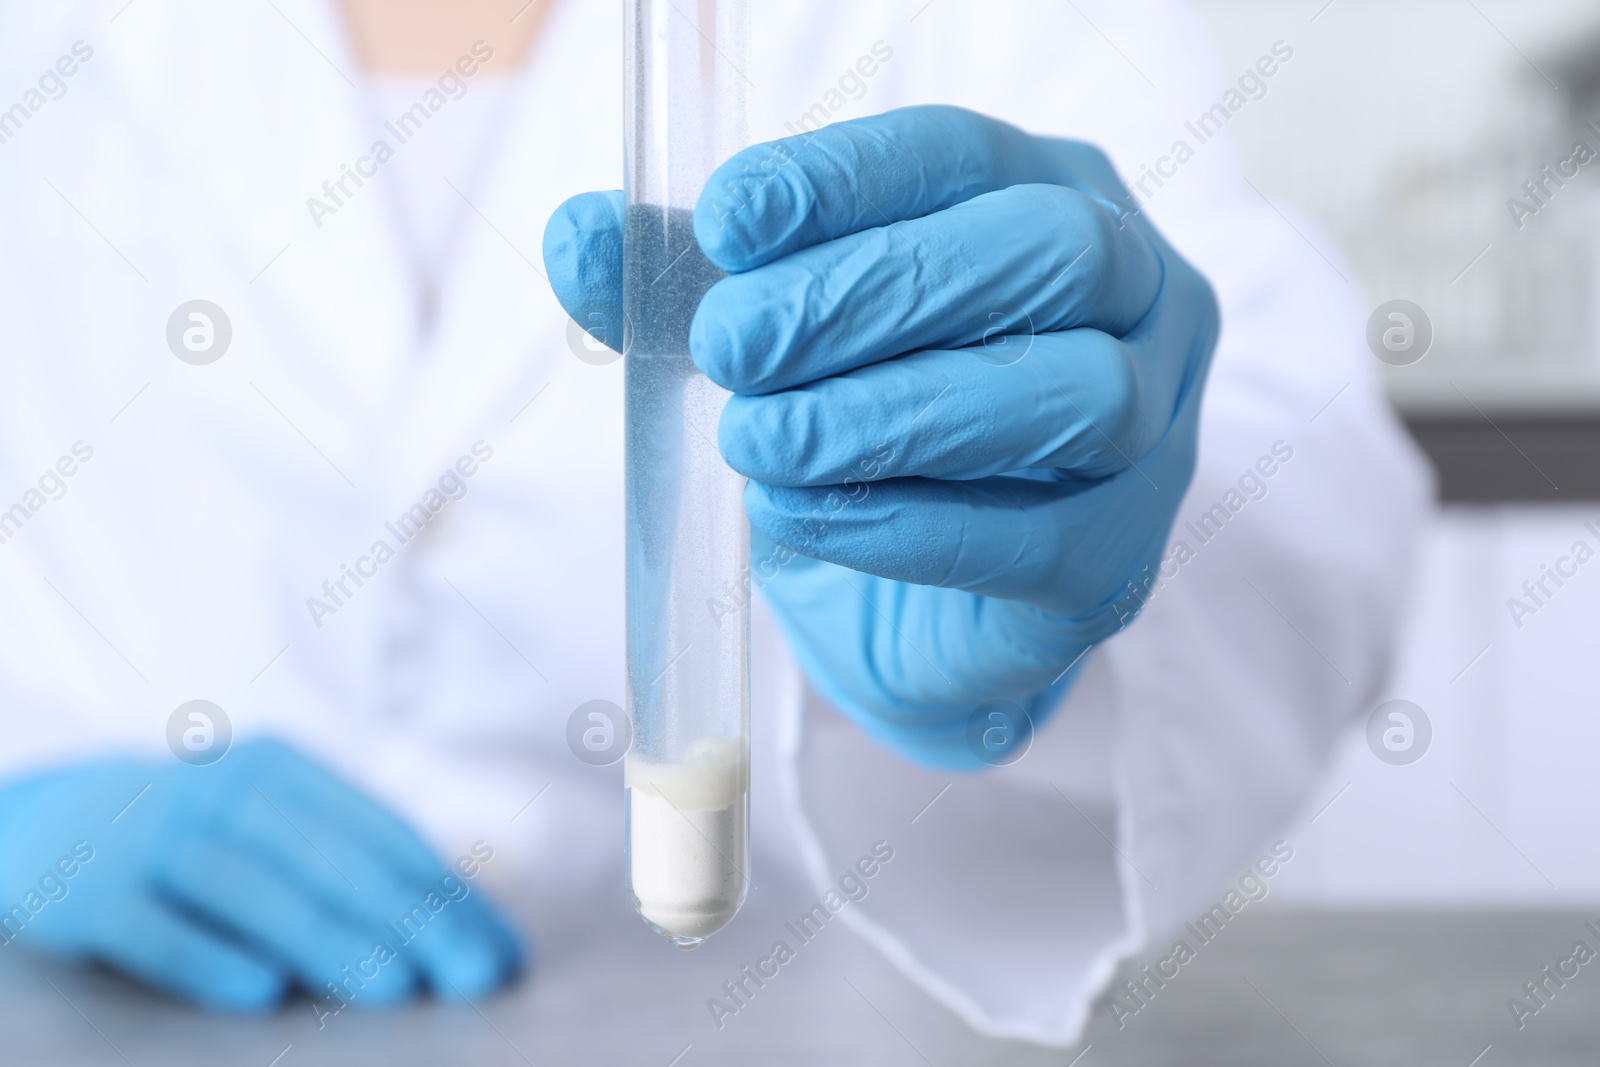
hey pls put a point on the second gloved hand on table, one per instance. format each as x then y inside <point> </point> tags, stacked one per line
<point>966,375</point>
<point>233,883</point>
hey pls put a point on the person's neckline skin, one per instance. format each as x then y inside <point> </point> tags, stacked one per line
<point>419,38</point>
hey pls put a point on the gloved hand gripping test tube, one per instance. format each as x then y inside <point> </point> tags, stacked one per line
<point>687,770</point>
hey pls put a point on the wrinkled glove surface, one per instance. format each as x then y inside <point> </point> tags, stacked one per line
<point>232,883</point>
<point>966,379</point>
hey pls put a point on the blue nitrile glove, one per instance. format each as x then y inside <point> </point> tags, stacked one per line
<point>966,375</point>
<point>229,884</point>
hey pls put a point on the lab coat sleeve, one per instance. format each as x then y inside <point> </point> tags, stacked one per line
<point>1195,735</point>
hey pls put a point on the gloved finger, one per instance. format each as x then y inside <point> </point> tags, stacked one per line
<point>1003,537</point>
<point>314,792</point>
<point>1025,260</point>
<point>583,259</point>
<point>774,199</point>
<point>158,946</point>
<point>1079,400</point>
<point>906,632</point>
<point>296,779</point>
<point>255,902</point>
<point>444,925</point>
<point>439,923</point>
<point>395,849</point>
<point>1060,543</point>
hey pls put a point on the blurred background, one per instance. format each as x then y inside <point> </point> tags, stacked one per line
<point>1404,132</point>
<point>1402,143</point>
<point>1425,896</point>
<point>1412,143</point>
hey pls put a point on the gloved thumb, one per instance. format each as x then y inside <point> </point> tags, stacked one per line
<point>583,259</point>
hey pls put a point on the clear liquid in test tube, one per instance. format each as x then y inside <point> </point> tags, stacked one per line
<point>687,772</point>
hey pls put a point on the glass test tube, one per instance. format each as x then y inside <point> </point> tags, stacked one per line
<point>688,543</point>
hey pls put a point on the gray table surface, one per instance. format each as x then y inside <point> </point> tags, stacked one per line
<point>1276,988</point>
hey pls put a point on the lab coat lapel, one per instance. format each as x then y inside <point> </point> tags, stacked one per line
<point>501,335</point>
<point>320,290</point>
<point>495,331</point>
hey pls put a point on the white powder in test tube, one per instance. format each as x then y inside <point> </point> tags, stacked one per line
<point>687,843</point>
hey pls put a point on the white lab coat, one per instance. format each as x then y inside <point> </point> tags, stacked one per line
<point>179,561</point>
